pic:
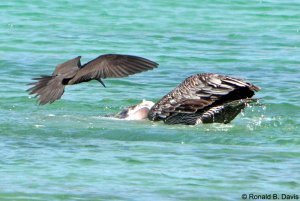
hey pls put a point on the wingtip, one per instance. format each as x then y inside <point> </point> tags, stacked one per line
<point>256,88</point>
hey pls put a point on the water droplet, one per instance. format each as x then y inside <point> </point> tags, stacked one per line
<point>39,126</point>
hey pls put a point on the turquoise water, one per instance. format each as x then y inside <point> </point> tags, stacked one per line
<point>69,151</point>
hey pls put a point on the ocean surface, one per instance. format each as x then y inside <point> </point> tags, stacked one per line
<point>69,150</point>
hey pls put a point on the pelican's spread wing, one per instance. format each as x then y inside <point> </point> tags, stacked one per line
<point>200,92</point>
<point>114,66</point>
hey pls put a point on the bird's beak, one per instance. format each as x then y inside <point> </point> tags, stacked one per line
<point>102,82</point>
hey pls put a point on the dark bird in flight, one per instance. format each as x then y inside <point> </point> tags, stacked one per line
<point>49,88</point>
<point>200,98</point>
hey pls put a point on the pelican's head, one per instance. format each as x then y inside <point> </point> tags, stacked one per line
<point>136,112</point>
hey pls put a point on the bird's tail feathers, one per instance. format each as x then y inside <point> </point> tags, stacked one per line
<point>47,88</point>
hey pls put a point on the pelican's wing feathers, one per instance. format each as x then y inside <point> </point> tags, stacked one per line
<point>200,92</point>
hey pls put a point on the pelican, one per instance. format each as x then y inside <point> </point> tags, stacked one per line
<point>49,88</point>
<point>200,98</point>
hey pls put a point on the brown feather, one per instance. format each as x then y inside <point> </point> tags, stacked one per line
<point>199,93</point>
<point>114,66</point>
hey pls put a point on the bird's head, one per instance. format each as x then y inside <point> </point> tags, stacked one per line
<point>136,112</point>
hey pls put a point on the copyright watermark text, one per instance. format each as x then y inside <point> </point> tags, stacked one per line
<point>274,196</point>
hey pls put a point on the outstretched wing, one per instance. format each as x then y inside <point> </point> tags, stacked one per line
<point>68,69</point>
<point>114,66</point>
<point>199,93</point>
<point>50,88</point>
